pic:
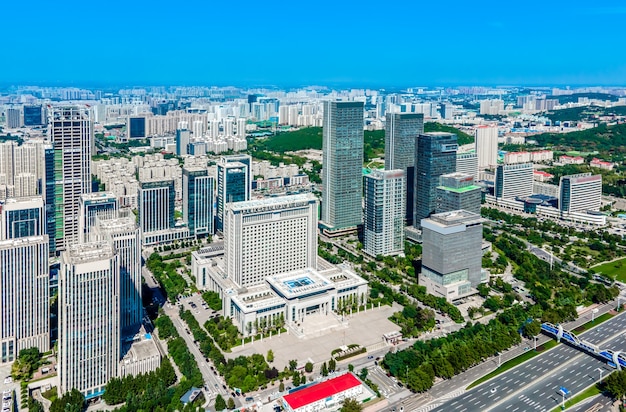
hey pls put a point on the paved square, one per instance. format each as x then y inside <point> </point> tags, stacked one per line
<point>321,334</point>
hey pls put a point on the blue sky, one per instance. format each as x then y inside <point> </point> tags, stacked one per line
<point>292,43</point>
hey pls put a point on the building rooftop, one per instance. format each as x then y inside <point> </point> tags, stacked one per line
<point>119,224</point>
<point>89,252</point>
<point>272,203</point>
<point>98,196</point>
<point>321,391</point>
<point>454,217</point>
<point>299,283</point>
<point>459,190</point>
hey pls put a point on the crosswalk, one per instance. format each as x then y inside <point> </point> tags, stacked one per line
<point>436,403</point>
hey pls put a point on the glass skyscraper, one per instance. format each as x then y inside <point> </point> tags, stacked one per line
<point>436,156</point>
<point>233,184</point>
<point>198,200</point>
<point>156,205</point>
<point>342,171</point>
<point>401,132</point>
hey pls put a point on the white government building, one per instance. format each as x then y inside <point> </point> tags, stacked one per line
<point>269,271</point>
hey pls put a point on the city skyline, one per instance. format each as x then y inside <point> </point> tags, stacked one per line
<point>493,44</point>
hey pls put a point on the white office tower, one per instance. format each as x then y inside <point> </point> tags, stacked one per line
<point>580,193</point>
<point>92,204</point>
<point>89,318</point>
<point>241,128</point>
<point>467,163</point>
<point>124,234</point>
<point>24,296</point>
<point>71,134</point>
<point>229,127</point>
<point>198,128</point>
<point>22,217</point>
<point>270,236</point>
<point>486,141</point>
<point>215,129</point>
<point>384,215</point>
<point>513,181</point>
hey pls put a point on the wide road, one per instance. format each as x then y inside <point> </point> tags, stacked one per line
<point>534,385</point>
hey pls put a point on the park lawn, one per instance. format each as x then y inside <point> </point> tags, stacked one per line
<point>587,393</point>
<point>514,362</point>
<point>615,270</point>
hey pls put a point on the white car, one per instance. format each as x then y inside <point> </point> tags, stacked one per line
<point>493,390</point>
<point>8,379</point>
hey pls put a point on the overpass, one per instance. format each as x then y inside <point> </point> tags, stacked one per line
<point>615,359</point>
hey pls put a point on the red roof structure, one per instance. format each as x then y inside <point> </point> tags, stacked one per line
<point>322,390</point>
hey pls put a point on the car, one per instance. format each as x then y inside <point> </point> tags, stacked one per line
<point>493,390</point>
<point>224,386</point>
<point>8,379</point>
<point>249,399</point>
<point>370,357</point>
<point>217,386</point>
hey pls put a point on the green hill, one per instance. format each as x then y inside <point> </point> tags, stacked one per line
<point>587,113</point>
<point>608,140</point>
<point>311,138</point>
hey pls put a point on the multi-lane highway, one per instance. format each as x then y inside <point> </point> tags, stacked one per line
<point>534,385</point>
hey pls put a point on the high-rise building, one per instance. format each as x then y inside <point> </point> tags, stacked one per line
<point>198,190</point>
<point>233,185</point>
<point>136,126</point>
<point>34,115</point>
<point>156,199</point>
<point>22,169</point>
<point>452,254</point>
<point>123,233</point>
<point>270,236</point>
<point>49,197</point>
<point>457,191</point>
<point>21,217</point>
<point>89,318</point>
<point>486,142</point>
<point>14,118</point>
<point>580,193</point>
<point>71,134</point>
<point>182,138</point>
<point>401,132</point>
<point>385,198</point>
<point>90,205</point>
<point>342,157</point>
<point>24,295</point>
<point>514,180</point>
<point>241,127</point>
<point>467,163</point>
<point>436,156</point>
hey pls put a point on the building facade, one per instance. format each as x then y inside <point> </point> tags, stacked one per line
<point>198,190</point>
<point>156,205</point>
<point>457,191</point>
<point>436,156</point>
<point>401,132</point>
<point>452,254</point>
<point>71,134</point>
<point>123,233</point>
<point>24,296</point>
<point>90,205</point>
<point>580,193</point>
<point>233,185</point>
<point>89,318</point>
<point>467,163</point>
<point>269,236</point>
<point>487,146</point>
<point>22,217</point>
<point>514,180</point>
<point>342,157</point>
<point>384,215</point>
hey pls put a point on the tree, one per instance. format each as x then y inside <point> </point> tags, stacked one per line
<point>324,369</point>
<point>308,368</point>
<point>363,374</point>
<point>281,387</point>
<point>293,364</point>
<point>270,356</point>
<point>532,329</point>
<point>72,401</point>
<point>615,384</point>
<point>231,403</point>
<point>26,363</point>
<point>220,404</point>
<point>296,379</point>
<point>332,365</point>
<point>351,405</point>
<point>351,367</point>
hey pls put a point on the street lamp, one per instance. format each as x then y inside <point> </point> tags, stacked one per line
<point>601,371</point>
<point>535,339</point>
